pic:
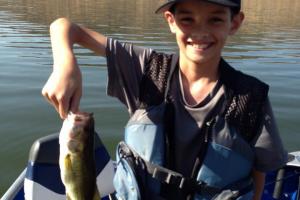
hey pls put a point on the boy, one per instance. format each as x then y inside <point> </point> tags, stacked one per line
<point>221,118</point>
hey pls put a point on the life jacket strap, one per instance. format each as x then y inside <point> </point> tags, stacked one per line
<point>167,176</point>
<point>177,180</point>
<point>192,186</point>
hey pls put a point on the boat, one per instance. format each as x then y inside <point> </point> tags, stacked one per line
<point>41,178</point>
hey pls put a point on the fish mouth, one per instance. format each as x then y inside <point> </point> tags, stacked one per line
<point>76,122</point>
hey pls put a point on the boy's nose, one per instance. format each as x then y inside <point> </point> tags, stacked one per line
<point>199,35</point>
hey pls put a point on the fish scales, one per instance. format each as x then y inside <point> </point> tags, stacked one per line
<point>76,160</point>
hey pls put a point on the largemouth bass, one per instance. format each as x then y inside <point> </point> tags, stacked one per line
<point>76,159</point>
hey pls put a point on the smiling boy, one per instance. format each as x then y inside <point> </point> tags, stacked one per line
<point>201,30</point>
<point>221,137</point>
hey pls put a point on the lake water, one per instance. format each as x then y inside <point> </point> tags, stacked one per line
<point>268,46</point>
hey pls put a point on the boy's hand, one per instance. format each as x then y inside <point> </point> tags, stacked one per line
<point>64,89</point>
<point>64,86</point>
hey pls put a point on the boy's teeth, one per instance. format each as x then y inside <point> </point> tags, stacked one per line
<point>200,46</point>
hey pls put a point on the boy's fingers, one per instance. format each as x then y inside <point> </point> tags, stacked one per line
<point>53,101</point>
<point>60,106</point>
<point>55,104</point>
<point>50,98</point>
<point>62,111</point>
<point>75,102</point>
<point>45,94</point>
<point>63,107</point>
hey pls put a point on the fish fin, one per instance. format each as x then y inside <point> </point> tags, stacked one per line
<point>68,197</point>
<point>68,163</point>
<point>97,194</point>
<point>68,172</point>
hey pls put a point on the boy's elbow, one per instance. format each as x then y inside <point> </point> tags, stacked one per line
<point>64,27</point>
<point>59,24</point>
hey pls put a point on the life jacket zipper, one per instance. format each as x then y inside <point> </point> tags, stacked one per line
<point>207,129</point>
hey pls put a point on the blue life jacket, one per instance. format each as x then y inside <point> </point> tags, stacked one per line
<point>144,161</point>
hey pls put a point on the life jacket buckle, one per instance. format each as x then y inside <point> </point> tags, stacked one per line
<point>170,178</point>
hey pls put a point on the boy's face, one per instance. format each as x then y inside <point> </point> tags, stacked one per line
<point>201,29</point>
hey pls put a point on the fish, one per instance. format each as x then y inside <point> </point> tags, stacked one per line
<point>76,158</point>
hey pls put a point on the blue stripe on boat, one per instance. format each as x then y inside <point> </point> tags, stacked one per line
<point>20,195</point>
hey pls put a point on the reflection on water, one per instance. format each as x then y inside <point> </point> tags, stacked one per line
<point>270,13</point>
<point>139,13</point>
<point>267,46</point>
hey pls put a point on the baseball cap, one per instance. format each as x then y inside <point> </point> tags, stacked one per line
<point>230,3</point>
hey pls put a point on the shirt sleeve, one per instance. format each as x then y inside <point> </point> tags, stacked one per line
<point>269,150</point>
<point>125,63</point>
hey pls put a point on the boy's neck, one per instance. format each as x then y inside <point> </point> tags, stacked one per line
<point>198,79</point>
<point>197,71</point>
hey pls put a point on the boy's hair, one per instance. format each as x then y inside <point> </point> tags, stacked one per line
<point>233,10</point>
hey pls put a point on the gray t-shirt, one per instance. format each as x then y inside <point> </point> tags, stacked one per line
<point>126,64</point>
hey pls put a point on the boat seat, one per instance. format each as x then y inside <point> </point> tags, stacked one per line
<point>42,180</point>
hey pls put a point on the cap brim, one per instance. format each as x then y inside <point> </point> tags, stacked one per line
<point>164,7</point>
<point>167,6</point>
<point>224,3</point>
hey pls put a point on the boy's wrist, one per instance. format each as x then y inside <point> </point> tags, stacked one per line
<point>64,61</point>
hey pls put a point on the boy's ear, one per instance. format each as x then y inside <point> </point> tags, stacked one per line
<point>171,21</point>
<point>236,23</point>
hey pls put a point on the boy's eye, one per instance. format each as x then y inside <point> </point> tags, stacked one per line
<point>216,20</point>
<point>186,20</point>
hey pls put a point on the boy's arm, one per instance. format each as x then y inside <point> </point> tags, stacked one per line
<point>259,182</point>
<point>64,86</point>
<point>64,34</point>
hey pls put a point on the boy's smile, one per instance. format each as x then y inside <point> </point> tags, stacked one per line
<point>201,30</point>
